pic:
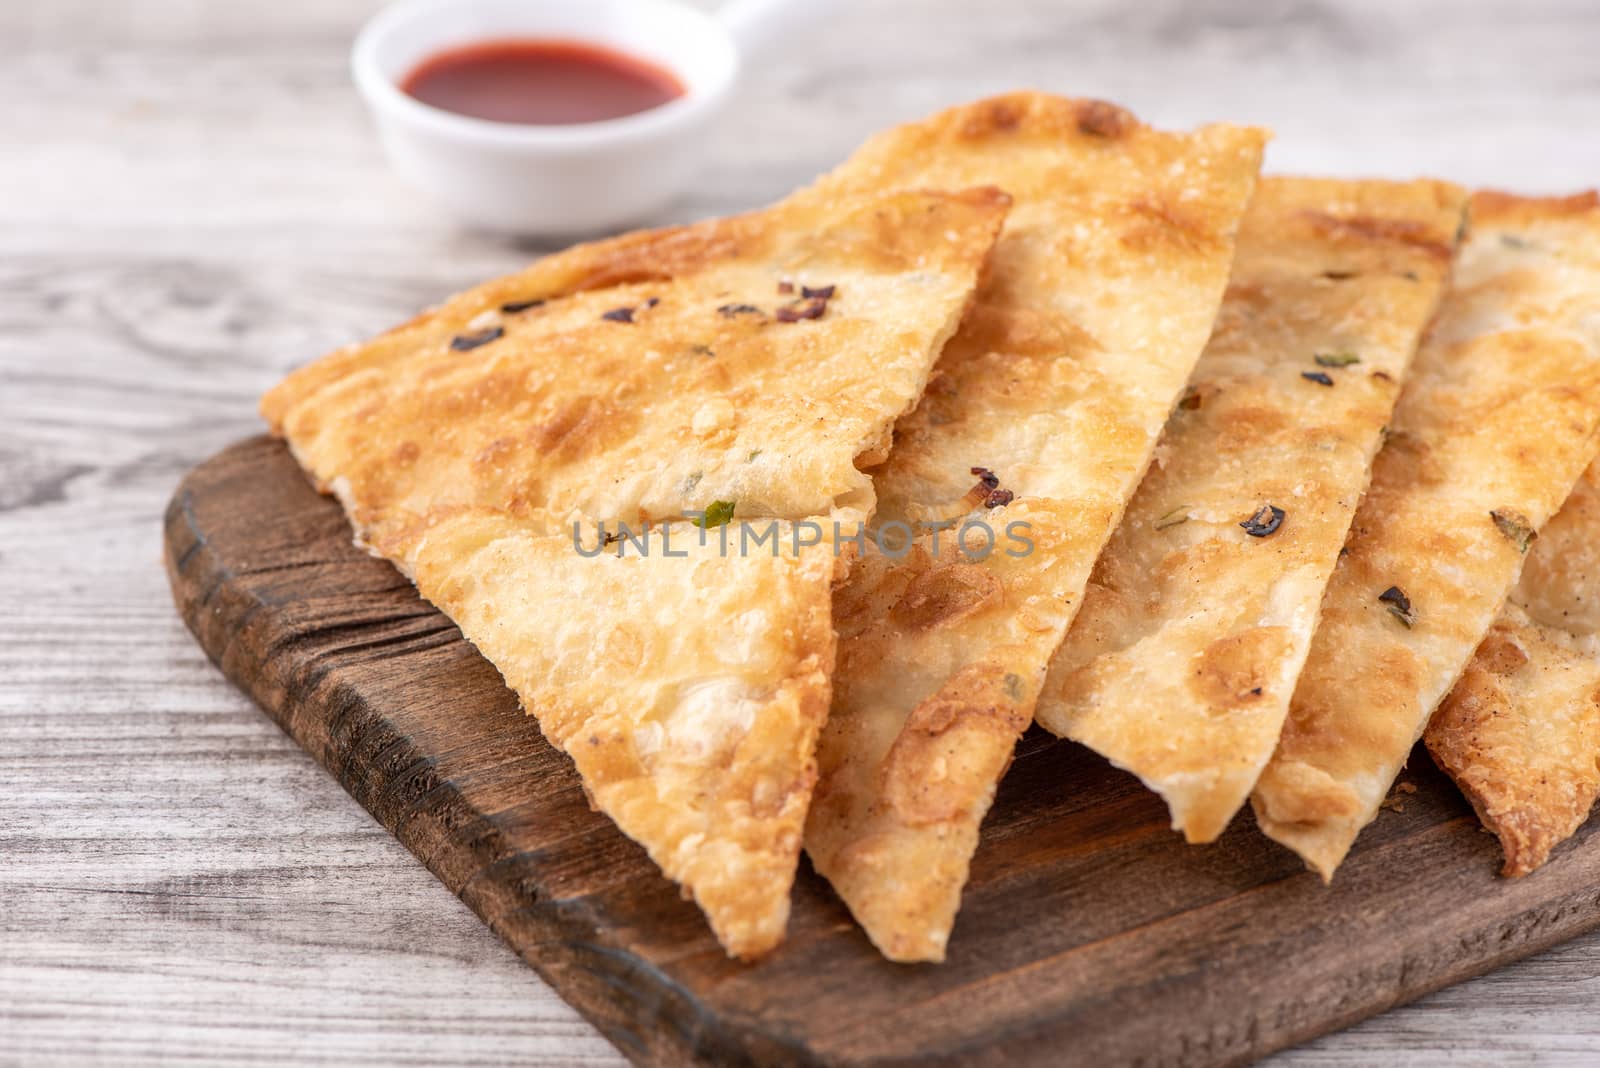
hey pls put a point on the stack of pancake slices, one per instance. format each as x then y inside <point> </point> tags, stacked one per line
<point>787,525</point>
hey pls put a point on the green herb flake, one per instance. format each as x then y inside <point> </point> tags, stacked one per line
<point>717,514</point>
<point>1336,359</point>
<point>752,457</point>
<point>1515,526</point>
<point>1013,685</point>
<point>692,481</point>
<point>1178,515</point>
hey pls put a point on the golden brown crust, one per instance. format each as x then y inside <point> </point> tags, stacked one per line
<point>644,378</point>
<point>1520,733</point>
<point>1099,297</point>
<point>905,782</point>
<point>1500,417</point>
<point>696,736</point>
<point>705,395</point>
<point>1495,208</point>
<point>1180,665</point>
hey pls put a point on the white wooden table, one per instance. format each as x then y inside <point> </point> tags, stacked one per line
<point>191,202</point>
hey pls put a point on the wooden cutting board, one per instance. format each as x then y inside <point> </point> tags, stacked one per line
<point>1089,932</point>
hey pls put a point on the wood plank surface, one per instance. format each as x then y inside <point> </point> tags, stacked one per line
<point>1086,921</point>
<point>193,202</point>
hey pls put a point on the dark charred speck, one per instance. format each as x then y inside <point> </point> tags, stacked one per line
<point>468,342</point>
<point>1321,378</point>
<point>1399,605</point>
<point>652,302</point>
<point>1396,596</point>
<point>988,489</point>
<point>821,292</point>
<point>516,306</point>
<point>1267,519</point>
<point>812,308</point>
<point>728,311</point>
<point>619,315</point>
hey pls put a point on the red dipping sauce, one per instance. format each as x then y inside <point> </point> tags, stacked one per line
<point>537,82</point>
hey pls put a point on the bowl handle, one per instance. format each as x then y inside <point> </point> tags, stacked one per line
<point>759,26</point>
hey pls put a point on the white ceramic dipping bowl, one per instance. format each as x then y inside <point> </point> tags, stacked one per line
<point>555,180</point>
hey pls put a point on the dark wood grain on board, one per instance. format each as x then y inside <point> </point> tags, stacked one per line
<point>1089,933</point>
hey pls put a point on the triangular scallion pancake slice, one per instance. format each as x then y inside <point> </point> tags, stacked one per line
<point>1497,420</point>
<point>759,359</point>
<point>745,368</point>
<point>1181,662</point>
<point>687,680</point>
<point>1520,733</point>
<point>1034,433</point>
